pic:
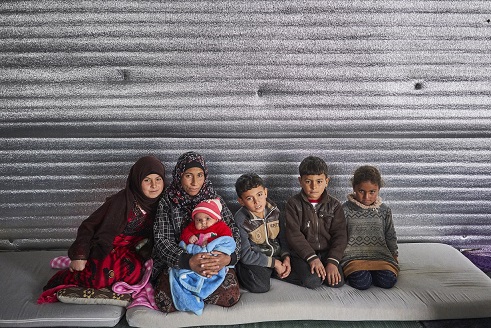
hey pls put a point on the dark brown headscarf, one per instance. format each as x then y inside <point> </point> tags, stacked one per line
<point>144,166</point>
<point>96,234</point>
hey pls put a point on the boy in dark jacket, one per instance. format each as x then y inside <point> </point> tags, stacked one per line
<point>315,229</point>
<point>263,250</point>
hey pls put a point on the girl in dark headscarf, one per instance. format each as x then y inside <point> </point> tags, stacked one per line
<point>105,250</point>
<point>190,186</point>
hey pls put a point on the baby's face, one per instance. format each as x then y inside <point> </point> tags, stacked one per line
<point>203,221</point>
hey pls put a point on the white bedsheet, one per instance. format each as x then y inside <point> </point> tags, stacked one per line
<point>436,282</point>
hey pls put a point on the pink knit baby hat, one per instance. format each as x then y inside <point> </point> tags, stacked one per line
<point>212,207</point>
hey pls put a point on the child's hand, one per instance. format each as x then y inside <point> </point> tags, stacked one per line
<point>333,275</point>
<point>316,267</point>
<point>77,265</point>
<point>279,268</point>
<point>287,266</point>
<point>193,239</point>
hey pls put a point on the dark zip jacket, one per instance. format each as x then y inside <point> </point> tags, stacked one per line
<point>311,231</point>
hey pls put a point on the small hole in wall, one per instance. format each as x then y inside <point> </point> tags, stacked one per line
<point>125,75</point>
<point>488,20</point>
<point>418,86</point>
<point>259,93</point>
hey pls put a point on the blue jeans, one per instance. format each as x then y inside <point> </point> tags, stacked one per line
<point>364,279</point>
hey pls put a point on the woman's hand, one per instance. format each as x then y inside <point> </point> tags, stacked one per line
<point>77,265</point>
<point>208,264</point>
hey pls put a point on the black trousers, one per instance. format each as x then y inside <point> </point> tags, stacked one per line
<point>256,279</point>
<point>301,275</point>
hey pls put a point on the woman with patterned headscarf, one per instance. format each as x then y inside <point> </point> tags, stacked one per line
<point>107,248</point>
<point>190,186</point>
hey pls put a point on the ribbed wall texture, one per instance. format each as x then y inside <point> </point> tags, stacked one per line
<point>87,87</point>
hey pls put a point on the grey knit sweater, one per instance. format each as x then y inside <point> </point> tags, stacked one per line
<point>371,233</point>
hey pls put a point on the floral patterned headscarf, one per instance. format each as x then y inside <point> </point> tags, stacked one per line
<point>175,191</point>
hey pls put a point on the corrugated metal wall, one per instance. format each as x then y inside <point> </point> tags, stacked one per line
<point>87,87</point>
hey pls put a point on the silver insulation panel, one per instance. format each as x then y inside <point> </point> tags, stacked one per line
<point>87,87</point>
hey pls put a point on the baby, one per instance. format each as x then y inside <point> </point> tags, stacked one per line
<point>207,224</point>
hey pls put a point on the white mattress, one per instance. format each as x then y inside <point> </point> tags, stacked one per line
<point>22,277</point>
<point>436,282</point>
